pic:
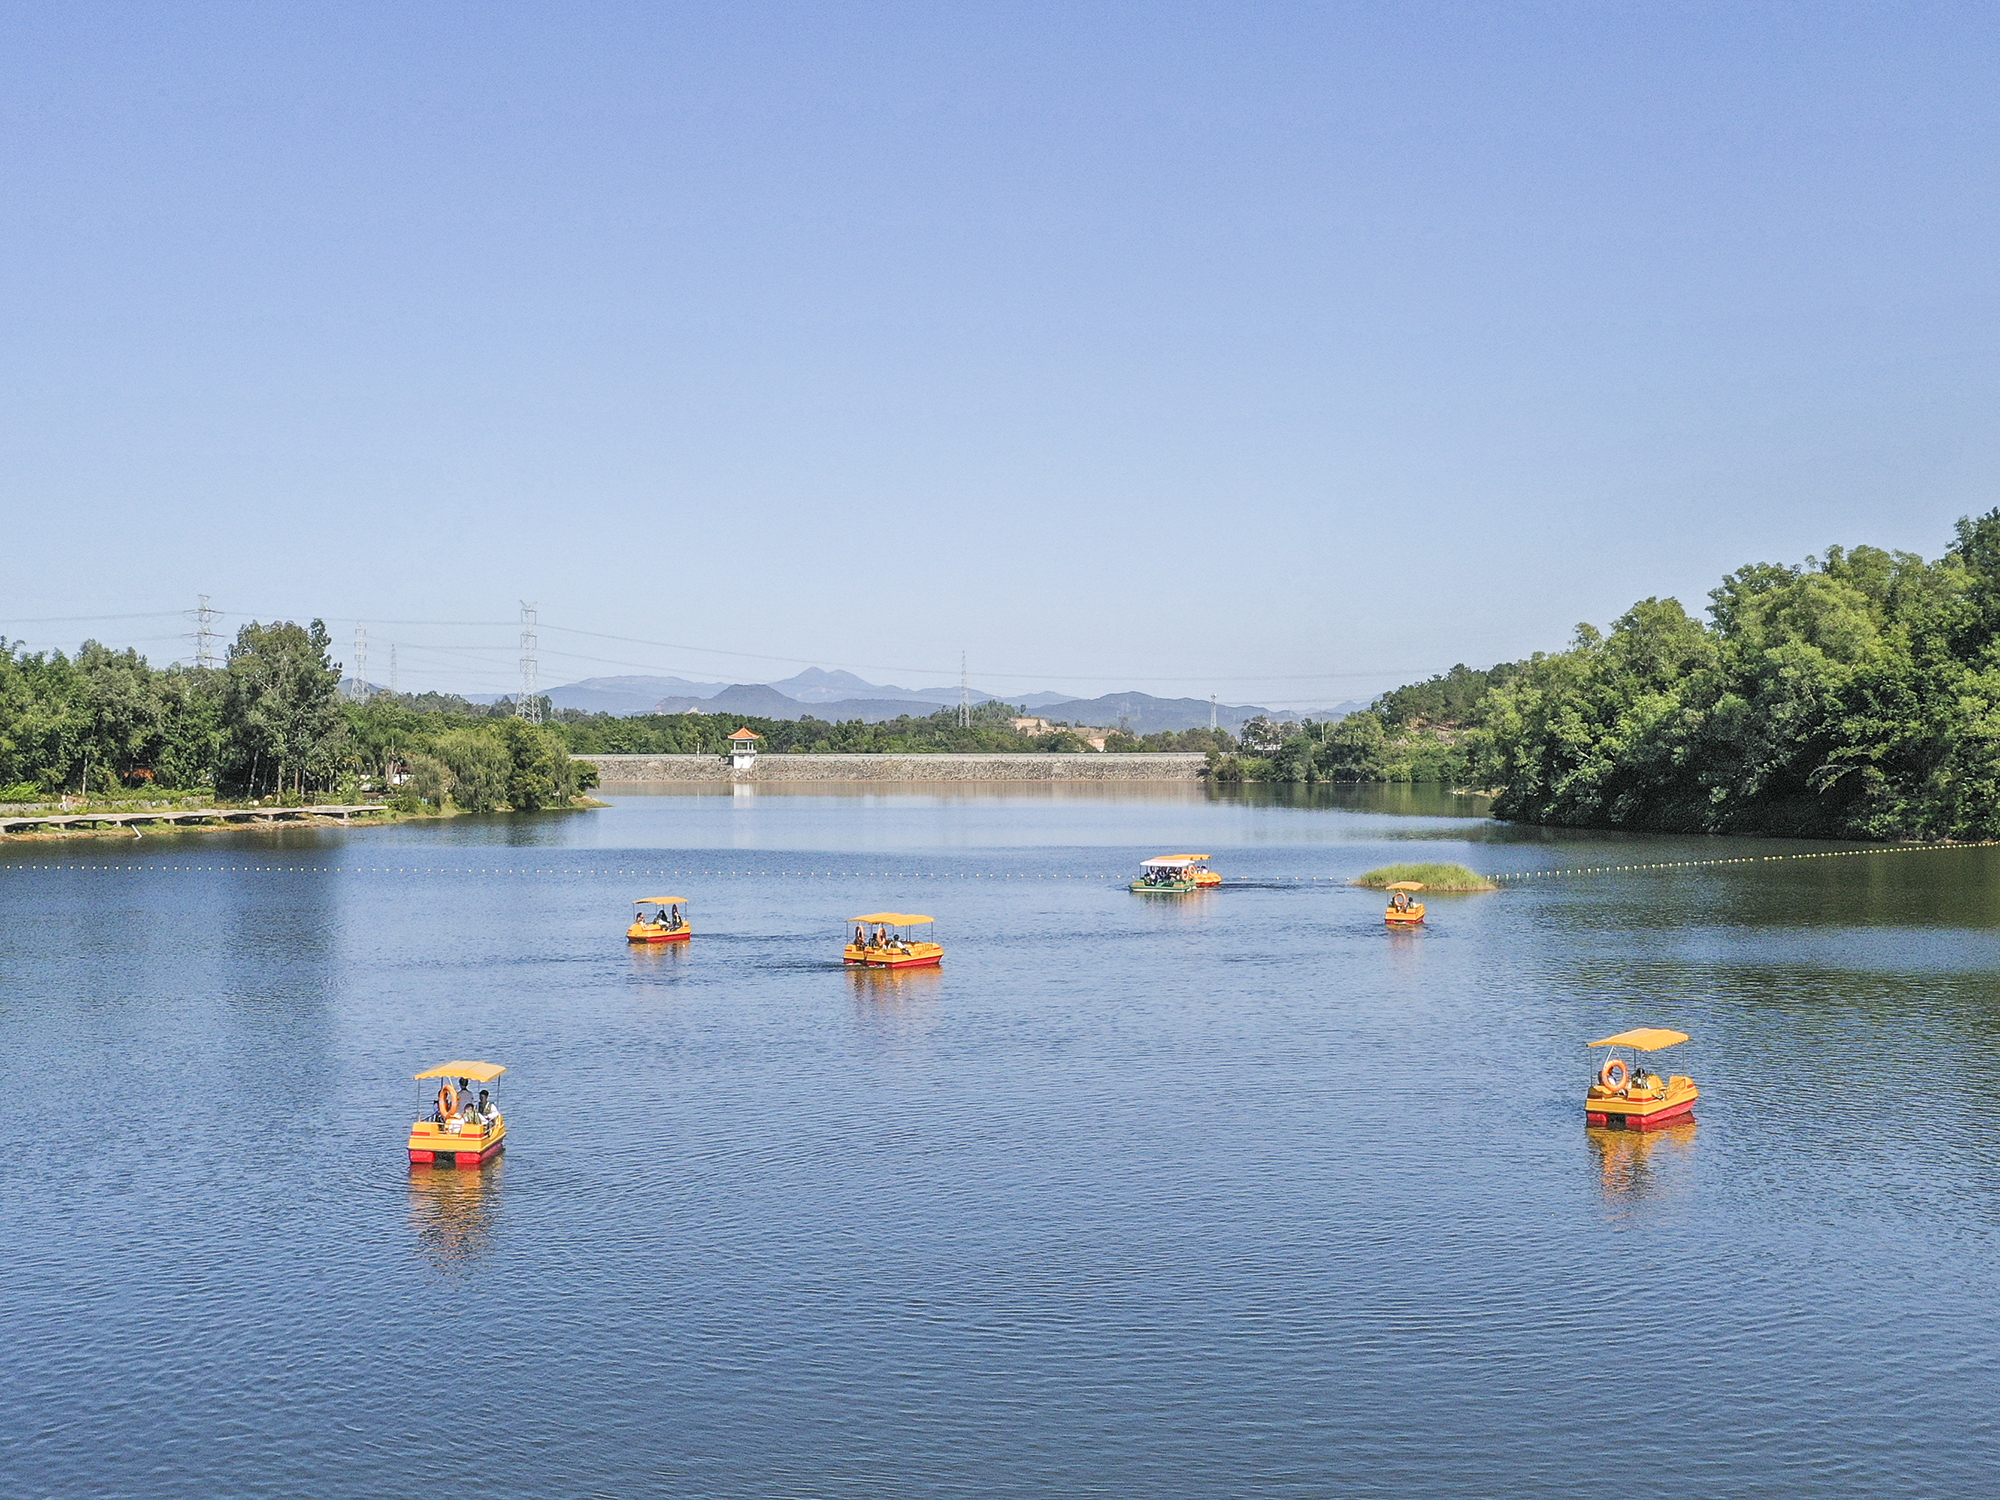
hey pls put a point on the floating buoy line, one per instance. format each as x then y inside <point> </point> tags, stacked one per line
<point>633,872</point>
<point>1742,859</point>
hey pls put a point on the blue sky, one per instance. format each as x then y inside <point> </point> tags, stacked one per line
<point>1286,352</point>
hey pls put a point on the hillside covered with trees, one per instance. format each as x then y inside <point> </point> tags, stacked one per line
<point>1424,732</point>
<point>1855,694</point>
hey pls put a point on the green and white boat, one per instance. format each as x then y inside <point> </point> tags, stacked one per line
<point>1168,875</point>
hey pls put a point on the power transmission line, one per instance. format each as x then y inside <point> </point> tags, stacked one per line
<point>931,671</point>
<point>207,615</point>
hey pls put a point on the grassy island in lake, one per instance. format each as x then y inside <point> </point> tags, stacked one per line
<point>1431,877</point>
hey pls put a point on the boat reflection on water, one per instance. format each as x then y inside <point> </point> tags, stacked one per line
<point>884,993</point>
<point>652,958</point>
<point>1640,1163</point>
<point>895,984</point>
<point>453,1212</point>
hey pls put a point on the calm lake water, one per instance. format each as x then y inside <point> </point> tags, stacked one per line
<point>1237,1194</point>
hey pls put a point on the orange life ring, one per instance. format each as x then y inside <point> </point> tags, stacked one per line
<point>1618,1065</point>
<point>447,1101</point>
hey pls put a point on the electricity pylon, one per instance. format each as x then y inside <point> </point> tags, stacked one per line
<point>530,706</point>
<point>204,634</point>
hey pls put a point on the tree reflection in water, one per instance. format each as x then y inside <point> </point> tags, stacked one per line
<point>452,1210</point>
<point>1640,1163</point>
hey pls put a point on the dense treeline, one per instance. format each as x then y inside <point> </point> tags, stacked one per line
<point>1424,732</point>
<point>1855,694</point>
<point>991,730</point>
<point>269,723</point>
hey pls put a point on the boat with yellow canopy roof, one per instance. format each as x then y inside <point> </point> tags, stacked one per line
<point>461,1130</point>
<point>1630,1096</point>
<point>1403,912</point>
<point>882,940</point>
<point>666,925</point>
<point>1199,872</point>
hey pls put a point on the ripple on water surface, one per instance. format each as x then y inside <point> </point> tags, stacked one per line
<point>1236,1194</point>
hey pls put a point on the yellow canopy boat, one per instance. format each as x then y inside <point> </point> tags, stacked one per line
<point>1198,870</point>
<point>461,1130</point>
<point>882,941</point>
<point>666,925</point>
<point>1629,1095</point>
<point>1403,912</point>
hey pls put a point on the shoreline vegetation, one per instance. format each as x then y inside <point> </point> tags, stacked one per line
<point>232,817</point>
<point>990,732</point>
<point>1853,695</point>
<point>104,731</point>
<point>272,725</point>
<point>1431,876</point>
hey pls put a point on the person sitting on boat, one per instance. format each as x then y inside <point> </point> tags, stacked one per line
<point>482,1109</point>
<point>677,918</point>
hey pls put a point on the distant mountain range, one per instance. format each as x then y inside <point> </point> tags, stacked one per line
<point>835,696</point>
<point>642,695</point>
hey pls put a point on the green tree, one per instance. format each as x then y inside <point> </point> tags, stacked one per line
<point>281,707</point>
<point>43,737</point>
<point>193,737</point>
<point>480,767</point>
<point>540,772</point>
<point>431,779</point>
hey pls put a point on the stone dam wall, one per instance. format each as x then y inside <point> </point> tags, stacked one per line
<point>615,769</point>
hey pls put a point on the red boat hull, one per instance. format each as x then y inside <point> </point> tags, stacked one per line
<point>1679,1114</point>
<point>456,1158</point>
